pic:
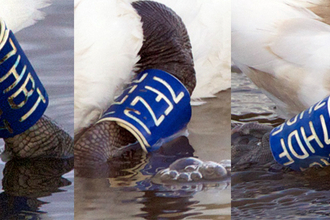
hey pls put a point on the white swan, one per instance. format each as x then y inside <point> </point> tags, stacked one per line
<point>108,39</point>
<point>19,14</point>
<point>283,47</point>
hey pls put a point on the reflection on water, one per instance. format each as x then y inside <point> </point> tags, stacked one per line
<point>273,195</point>
<point>49,47</point>
<point>25,181</point>
<point>125,188</point>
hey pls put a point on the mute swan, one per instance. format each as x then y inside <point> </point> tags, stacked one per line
<point>283,47</point>
<point>40,137</point>
<point>106,55</point>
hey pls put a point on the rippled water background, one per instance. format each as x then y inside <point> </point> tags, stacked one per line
<point>130,195</point>
<point>266,195</point>
<point>248,104</point>
<point>49,47</point>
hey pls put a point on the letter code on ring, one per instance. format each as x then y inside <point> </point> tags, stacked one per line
<point>23,99</point>
<point>304,140</point>
<point>153,107</point>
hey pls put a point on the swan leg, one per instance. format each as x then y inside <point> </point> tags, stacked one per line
<point>26,132</point>
<point>251,149</point>
<point>43,139</point>
<point>166,47</point>
<point>101,142</point>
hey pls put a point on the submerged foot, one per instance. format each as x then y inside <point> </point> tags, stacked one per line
<point>251,149</point>
<point>191,169</point>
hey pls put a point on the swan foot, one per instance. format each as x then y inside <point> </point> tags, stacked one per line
<point>251,149</point>
<point>100,143</point>
<point>43,139</point>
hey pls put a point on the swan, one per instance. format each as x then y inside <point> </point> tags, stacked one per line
<point>283,47</point>
<point>106,54</point>
<point>42,138</point>
<point>106,58</point>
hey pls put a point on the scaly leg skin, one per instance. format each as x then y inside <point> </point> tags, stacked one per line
<point>100,143</point>
<point>166,47</point>
<point>251,149</point>
<point>43,139</point>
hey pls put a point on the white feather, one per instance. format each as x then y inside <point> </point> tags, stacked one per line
<point>19,14</point>
<point>108,36</point>
<point>283,41</point>
<point>208,25</point>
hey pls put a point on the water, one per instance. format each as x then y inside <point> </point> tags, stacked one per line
<point>49,47</point>
<point>249,104</point>
<point>267,195</point>
<point>126,191</point>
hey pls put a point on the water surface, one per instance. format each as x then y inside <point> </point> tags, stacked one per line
<point>127,191</point>
<point>271,195</point>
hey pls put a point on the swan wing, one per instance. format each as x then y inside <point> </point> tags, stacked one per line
<point>283,47</point>
<point>308,41</point>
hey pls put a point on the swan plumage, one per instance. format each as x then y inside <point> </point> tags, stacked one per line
<point>283,47</point>
<point>19,14</point>
<point>108,36</point>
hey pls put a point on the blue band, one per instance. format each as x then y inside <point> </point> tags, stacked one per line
<point>304,140</point>
<point>23,99</point>
<point>153,107</point>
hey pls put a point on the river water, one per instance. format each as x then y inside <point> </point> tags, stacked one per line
<point>127,192</point>
<point>49,46</point>
<point>273,195</point>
